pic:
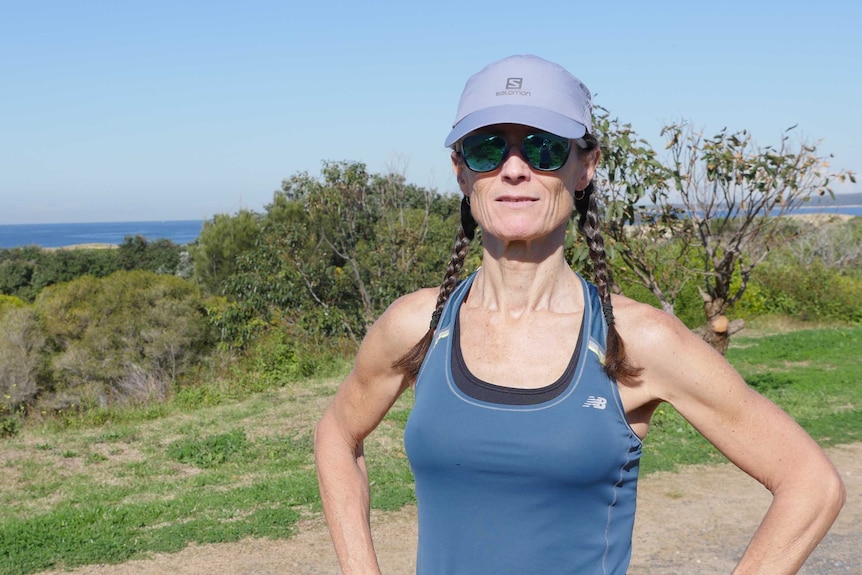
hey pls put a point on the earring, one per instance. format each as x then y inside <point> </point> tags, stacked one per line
<point>467,199</point>
<point>580,195</point>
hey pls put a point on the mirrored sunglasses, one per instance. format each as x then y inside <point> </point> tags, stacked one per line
<point>543,151</point>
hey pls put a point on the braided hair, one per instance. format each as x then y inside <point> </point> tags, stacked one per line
<point>616,364</point>
<point>410,362</point>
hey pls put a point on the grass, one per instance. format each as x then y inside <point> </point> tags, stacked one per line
<point>126,484</point>
<point>121,490</point>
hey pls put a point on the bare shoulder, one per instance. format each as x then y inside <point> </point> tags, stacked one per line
<point>407,318</point>
<point>645,327</point>
<point>672,356</point>
<point>397,330</point>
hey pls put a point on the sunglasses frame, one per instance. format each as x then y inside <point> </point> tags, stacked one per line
<point>550,139</point>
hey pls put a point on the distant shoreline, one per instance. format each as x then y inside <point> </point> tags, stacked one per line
<point>96,235</point>
<point>83,247</point>
<point>108,235</point>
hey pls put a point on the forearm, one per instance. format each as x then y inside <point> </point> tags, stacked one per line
<point>796,522</point>
<point>344,492</point>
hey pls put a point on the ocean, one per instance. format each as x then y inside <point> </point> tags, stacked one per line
<point>60,235</point>
<point>186,231</point>
<point>843,210</point>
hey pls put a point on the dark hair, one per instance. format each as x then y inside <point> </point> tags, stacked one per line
<point>616,365</point>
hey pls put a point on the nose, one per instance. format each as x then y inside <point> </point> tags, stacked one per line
<point>515,167</point>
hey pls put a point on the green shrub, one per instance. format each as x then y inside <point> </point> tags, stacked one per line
<point>688,306</point>
<point>283,357</point>
<point>220,243</point>
<point>125,337</point>
<point>10,425</point>
<point>811,293</point>
<point>22,359</point>
<point>160,256</point>
<point>16,273</point>
<point>8,302</point>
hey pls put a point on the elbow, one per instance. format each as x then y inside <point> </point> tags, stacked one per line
<point>819,490</point>
<point>838,492</point>
<point>331,441</point>
<point>832,492</point>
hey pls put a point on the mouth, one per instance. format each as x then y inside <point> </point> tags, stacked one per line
<point>515,199</point>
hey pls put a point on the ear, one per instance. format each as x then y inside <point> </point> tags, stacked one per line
<point>590,163</point>
<point>460,171</point>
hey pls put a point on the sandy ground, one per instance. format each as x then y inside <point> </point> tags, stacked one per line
<point>694,522</point>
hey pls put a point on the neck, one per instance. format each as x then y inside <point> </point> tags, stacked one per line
<point>515,285</point>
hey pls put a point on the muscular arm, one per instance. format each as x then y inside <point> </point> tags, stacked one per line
<point>360,404</point>
<point>751,431</point>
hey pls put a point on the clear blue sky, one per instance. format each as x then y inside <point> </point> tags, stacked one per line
<point>156,110</point>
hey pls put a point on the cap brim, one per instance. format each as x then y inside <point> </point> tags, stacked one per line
<point>513,114</point>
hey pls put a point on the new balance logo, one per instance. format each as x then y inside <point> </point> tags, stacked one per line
<point>596,402</point>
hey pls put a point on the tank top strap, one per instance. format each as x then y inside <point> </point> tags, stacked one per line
<point>597,332</point>
<point>450,310</point>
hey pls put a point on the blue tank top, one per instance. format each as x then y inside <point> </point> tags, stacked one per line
<point>522,482</point>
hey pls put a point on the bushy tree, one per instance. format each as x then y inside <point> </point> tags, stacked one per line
<point>22,358</point>
<point>221,242</point>
<point>124,337</point>
<point>161,256</point>
<point>648,236</point>
<point>335,250</point>
<point>718,199</point>
<point>26,271</point>
<point>16,277</point>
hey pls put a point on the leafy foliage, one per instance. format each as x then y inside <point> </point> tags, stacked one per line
<point>121,338</point>
<point>8,302</point>
<point>815,292</point>
<point>714,206</point>
<point>648,237</point>
<point>24,272</point>
<point>332,252</point>
<point>221,241</point>
<point>160,256</point>
<point>734,192</point>
<point>22,361</point>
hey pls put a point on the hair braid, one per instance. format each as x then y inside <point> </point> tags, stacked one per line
<point>617,365</point>
<point>411,361</point>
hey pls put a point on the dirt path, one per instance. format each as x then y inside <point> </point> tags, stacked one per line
<point>694,522</point>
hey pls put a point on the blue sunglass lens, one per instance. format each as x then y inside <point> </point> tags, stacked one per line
<point>544,152</point>
<point>483,152</point>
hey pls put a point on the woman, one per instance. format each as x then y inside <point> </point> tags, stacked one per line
<point>529,411</point>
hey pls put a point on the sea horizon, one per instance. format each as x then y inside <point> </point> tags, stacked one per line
<point>59,235</point>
